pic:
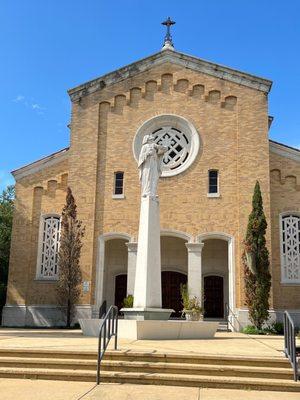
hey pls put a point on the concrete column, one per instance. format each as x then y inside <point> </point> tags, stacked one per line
<point>99,295</point>
<point>147,286</point>
<point>131,266</point>
<point>195,269</point>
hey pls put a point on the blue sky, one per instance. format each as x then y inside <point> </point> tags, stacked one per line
<point>50,46</point>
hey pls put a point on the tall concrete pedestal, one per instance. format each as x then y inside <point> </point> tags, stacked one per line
<point>147,288</point>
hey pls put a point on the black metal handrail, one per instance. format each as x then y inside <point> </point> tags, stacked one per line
<point>108,329</point>
<point>290,349</point>
<point>226,312</point>
<point>102,309</point>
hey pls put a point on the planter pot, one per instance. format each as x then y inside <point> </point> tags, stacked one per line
<point>193,315</point>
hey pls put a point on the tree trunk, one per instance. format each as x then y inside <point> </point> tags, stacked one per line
<point>68,314</point>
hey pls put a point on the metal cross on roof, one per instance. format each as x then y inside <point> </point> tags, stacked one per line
<point>168,43</point>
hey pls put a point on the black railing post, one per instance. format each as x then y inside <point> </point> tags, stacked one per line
<point>108,328</point>
<point>116,330</point>
<point>104,335</point>
<point>285,334</point>
<point>290,342</point>
<point>227,317</point>
<point>98,363</point>
<point>102,309</point>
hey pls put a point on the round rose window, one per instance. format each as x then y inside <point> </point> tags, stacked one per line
<point>175,133</point>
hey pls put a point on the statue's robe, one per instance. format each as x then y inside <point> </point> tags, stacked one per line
<point>149,169</point>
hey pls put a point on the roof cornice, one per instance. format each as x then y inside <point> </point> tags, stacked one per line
<point>187,61</point>
<point>284,150</point>
<point>40,164</point>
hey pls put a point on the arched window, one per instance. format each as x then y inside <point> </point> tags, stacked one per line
<point>290,247</point>
<point>47,264</point>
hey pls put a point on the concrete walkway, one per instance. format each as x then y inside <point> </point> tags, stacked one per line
<point>224,343</point>
<point>25,389</point>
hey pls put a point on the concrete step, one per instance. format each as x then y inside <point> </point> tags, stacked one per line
<point>147,367</point>
<point>49,374</point>
<point>188,358</point>
<point>148,356</point>
<point>223,327</point>
<point>155,379</point>
<point>198,369</point>
<point>48,363</point>
<point>48,353</point>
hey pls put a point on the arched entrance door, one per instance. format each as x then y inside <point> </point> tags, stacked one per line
<point>213,296</point>
<point>170,282</point>
<point>120,290</point>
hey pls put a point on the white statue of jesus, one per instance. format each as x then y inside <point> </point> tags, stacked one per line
<point>149,165</point>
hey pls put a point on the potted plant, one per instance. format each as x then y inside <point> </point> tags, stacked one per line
<point>128,301</point>
<point>192,309</point>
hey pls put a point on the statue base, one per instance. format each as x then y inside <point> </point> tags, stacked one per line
<point>146,313</point>
<point>147,288</point>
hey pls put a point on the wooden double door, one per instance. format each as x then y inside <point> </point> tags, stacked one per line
<point>170,282</point>
<point>213,296</point>
<point>120,290</point>
<point>170,285</point>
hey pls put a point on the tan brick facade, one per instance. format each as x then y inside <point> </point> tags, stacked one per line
<point>232,122</point>
<point>285,196</point>
<point>37,194</point>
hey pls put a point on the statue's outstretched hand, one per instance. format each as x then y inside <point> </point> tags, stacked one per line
<point>162,149</point>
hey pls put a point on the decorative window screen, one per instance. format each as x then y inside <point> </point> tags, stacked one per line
<point>178,144</point>
<point>177,134</point>
<point>50,236</point>
<point>290,248</point>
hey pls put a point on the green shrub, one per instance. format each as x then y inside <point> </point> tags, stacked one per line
<point>184,296</point>
<point>250,330</point>
<point>6,217</point>
<point>2,297</point>
<point>189,303</point>
<point>128,301</point>
<point>256,263</point>
<point>278,328</point>
<point>274,329</point>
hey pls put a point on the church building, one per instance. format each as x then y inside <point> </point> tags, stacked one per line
<point>214,122</point>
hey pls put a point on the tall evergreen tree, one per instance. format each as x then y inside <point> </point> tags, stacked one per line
<point>68,286</point>
<point>6,218</point>
<point>256,263</point>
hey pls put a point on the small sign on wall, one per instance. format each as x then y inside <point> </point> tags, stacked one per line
<point>86,286</point>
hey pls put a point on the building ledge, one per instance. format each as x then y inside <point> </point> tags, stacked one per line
<point>175,57</point>
<point>284,150</point>
<point>40,164</point>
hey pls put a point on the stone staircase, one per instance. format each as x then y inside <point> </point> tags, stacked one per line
<point>154,368</point>
<point>223,326</point>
